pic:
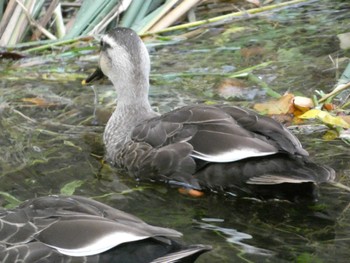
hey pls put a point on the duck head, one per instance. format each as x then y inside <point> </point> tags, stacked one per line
<point>125,61</point>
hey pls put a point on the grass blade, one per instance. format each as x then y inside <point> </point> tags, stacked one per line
<point>60,28</point>
<point>133,11</point>
<point>86,14</point>
<point>7,16</point>
<point>113,13</point>
<point>99,17</point>
<point>174,15</point>
<point>153,17</point>
<point>9,30</point>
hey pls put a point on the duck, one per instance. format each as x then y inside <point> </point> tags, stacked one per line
<point>67,229</point>
<point>215,148</point>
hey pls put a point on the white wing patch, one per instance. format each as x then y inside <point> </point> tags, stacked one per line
<point>231,156</point>
<point>101,245</point>
<point>275,179</point>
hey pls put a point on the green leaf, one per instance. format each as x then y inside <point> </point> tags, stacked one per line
<point>133,12</point>
<point>69,188</point>
<point>90,13</point>
<point>308,258</point>
<point>141,26</point>
<point>13,201</point>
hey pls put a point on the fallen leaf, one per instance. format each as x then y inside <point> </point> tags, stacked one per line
<point>330,135</point>
<point>303,103</point>
<point>329,106</point>
<point>283,105</point>
<point>325,117</point>
<point>41,102</point>
<point>69,188</point>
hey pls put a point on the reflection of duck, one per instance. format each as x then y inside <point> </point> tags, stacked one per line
<point>78,229</point>
<point>216,147</point>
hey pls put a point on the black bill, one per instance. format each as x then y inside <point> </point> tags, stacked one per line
<point>98,74</point>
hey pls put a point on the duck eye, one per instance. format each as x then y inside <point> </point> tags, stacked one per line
<point>104,45</point>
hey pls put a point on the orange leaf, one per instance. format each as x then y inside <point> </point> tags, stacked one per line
<point>38,101</point>
<point>283,105</point>
<point>329,106</point>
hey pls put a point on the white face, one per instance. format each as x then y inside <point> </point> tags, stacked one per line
<point>105,64</point>
<point>115,59</point>
<point>125,61</point>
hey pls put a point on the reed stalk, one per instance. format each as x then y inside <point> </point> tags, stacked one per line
<point>174,15</point>
<point>226,17</point>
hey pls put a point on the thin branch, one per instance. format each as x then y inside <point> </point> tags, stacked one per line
<point>34,23</point>
<point>43,22</point>
<point>334,92</point>
<point>24,116</point>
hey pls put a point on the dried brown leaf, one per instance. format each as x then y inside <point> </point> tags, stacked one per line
<point>284,105</point>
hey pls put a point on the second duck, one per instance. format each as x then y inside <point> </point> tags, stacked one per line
<point>222,148</point>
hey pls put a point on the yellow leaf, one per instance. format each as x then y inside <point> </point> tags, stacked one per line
<point>330,135</point>
<point>325,117</point>
<point>311,114</point>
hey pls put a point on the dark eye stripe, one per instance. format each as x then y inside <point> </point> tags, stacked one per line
<point>104,45</point>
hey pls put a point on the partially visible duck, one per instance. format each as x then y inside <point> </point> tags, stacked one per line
<point>78,229</point>
<point>222,148</point>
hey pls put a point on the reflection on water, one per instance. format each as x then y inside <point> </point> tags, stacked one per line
<point>236,237</point>
<point>50,136</point>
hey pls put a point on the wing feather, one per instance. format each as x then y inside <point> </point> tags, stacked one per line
<point>213,133</point>
<point>270,129</point>
<point>276,179</point>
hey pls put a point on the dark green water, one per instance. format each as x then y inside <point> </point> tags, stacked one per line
<point>49,146</point>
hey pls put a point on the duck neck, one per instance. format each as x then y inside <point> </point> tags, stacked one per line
<point>133,94</point>
<point>132,108</point>
<point>132,84</point>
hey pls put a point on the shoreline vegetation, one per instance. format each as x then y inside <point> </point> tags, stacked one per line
<point>38,28</point>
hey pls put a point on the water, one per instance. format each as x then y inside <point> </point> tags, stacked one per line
<point>52,144</point>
